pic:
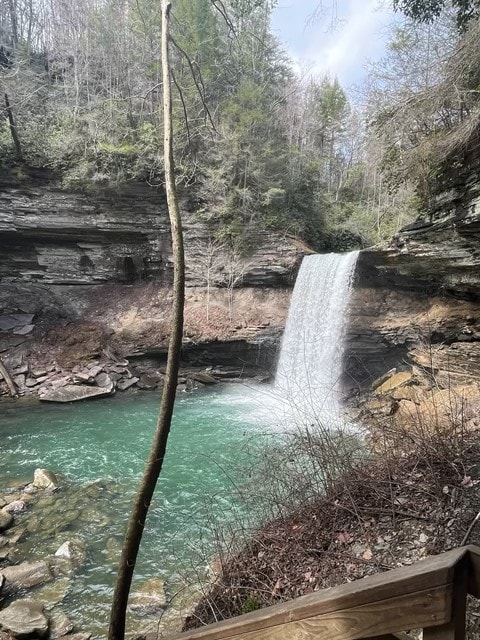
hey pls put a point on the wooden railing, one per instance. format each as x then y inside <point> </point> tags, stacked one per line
<point>430,595</point>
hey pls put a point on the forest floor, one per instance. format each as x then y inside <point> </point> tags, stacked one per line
<point>417,497</point>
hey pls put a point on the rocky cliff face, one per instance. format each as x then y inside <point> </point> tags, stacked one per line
<point>95,270</point>
<point>418,300</point>
<point>52,237</point>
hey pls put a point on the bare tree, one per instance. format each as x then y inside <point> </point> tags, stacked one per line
<point>154,464</point>
<point>235,270</point>
<point>211,257</point>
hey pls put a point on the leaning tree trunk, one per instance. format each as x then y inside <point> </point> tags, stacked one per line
<point>8,380</point>
<point>154,464</point>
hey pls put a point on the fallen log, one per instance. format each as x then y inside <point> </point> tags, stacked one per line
<point>8,379</point>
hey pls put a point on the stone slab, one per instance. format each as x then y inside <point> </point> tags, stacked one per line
<point>74,393</point>
<point>23,331</point>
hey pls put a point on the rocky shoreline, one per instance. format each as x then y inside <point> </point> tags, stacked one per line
<point>77,360</point>
<point>45,544</point>
<point>101,376</point>
<point>32,590</point>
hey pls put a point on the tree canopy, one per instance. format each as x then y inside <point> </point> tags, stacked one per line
<point>258,144</point>
<point>430,10</point>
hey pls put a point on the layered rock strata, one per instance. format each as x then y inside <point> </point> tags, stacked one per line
<point>417,301</point>
<point>93,271</point>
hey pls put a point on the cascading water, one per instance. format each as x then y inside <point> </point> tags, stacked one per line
<point>311,355</point>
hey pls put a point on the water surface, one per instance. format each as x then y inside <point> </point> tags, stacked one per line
<point>106,442</point>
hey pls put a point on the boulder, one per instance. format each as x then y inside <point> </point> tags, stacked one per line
<point>147,382</point>
<point>45,479</point>
<point>126,383</point>
<point>16,506</point>
<point>74,393</point>
<point>24,619</point>
<point>204,378</point>
<point>7,323</point>
<point>29,489</point>
<point>20,381</point>
<point>26,575</point>
<point>72,550</point>
<point>23,331</point>
<point>383,378</point>
<point>149,597</point>
<point>81,635</point>
<point>16,534</point>
<point>103,380</point>
<point>39,373</point>
<point>6,520</point>
<point>22,369</point>
<point>113,550</point>
<point>4,554</point>
<point>23,319</point>
<point>94,370</point>
<point>53,593</point>
<point>414,394</point>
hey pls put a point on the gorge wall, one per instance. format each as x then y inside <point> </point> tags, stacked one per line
<point>94,269</point>
<point>417,301</point>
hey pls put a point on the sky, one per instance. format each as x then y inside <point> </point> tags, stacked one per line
<point>339,41</point>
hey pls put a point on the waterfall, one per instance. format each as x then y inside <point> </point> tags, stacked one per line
<point>311,355</point>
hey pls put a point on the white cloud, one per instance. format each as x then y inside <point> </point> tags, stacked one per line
<point>359,35</point>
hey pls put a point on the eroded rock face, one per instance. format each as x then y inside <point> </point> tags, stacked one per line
<point>406,296</point>
<point>54,237</point>
<point>440,251</point>
<point>95,269</point>
<point>417,300</point>
<point>390,327</point>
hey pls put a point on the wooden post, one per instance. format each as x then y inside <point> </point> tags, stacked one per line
<point>455,629</point>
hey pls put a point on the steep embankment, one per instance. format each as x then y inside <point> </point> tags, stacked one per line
<point>90,276</point>
<point>416,308</point>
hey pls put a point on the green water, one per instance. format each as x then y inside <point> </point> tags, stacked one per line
<point>106,442</point>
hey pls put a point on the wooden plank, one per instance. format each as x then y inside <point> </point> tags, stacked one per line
<point>445,632</point>
<point>395,614</point>
<point>426,608</point>
<point>437,571</point>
